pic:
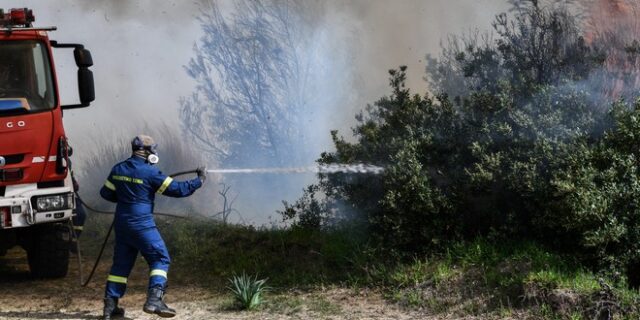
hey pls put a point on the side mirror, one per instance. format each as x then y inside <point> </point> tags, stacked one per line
<point>83,58</point>
<point>86,89</point>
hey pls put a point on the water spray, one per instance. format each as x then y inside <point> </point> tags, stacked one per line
<point>325,168</point>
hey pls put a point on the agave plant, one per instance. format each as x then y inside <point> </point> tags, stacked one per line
<point>247,290</point>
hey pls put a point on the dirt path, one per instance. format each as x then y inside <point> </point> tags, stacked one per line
<point>24,298</point>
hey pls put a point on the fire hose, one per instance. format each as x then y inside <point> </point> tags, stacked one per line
<point>321,169</point>
<point>106,238</point>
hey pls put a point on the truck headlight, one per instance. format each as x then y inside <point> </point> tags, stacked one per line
<point>54,202</point>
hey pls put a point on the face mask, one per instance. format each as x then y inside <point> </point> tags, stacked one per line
<point>153,159</point>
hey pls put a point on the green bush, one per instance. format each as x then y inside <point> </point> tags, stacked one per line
<point>596,204</point>
<point>483,164</point>
<point>530,148</point>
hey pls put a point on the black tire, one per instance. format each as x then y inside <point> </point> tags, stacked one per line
<point>48,252</point>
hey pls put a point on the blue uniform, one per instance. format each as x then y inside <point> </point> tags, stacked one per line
<point>133,184</point>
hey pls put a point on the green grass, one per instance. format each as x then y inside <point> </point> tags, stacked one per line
<point>479,277</point>
<point>207,253</point>
<point>288,257</point>
<point>580,281</point>
<point>483,277</point>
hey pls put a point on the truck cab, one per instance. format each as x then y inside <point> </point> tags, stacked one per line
<point>36,193</point>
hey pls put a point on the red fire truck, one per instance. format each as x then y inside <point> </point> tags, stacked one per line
<point>36,193</point>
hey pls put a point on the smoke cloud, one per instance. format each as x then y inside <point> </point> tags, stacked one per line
<point>140,47</point>
<point>613,26</point>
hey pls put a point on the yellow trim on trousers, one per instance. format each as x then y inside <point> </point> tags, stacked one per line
<point>158,272</point>
<point>117,279</point>
<point>110,185</point>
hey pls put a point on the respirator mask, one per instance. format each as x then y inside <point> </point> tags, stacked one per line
<point>152,157</point>
<point>144,147</point>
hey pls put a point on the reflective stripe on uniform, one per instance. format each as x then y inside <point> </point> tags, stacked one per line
<point>117,279</point>
<point>165,184</point>
<point>158,272</point>
<point>109,185</point>
<point>79,228</point>
<point>127,179</point>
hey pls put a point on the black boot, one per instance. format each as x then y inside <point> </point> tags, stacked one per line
<point>155,304</point>
<point>111,309</point>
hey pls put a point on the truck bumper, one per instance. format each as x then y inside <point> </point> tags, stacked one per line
<point>17,209</point>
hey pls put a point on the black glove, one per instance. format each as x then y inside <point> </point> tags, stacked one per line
<point>202,173</point>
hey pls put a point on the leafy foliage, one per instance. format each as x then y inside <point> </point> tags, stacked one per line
<point>529,148</point>
<point>596,196</point>
<point>308,212</point>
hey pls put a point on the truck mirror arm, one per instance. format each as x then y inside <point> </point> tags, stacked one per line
<point>86,88</point>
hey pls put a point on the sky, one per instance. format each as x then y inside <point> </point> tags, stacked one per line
<point>140,48</point>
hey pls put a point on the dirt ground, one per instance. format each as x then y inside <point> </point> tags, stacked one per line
<point>24,298</point>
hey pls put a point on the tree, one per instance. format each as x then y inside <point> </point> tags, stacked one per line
<point>269,76</point>
<point>252,76</point>
<point>540,46</point>
<point>486,163</point>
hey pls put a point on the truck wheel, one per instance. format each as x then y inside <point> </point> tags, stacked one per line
<point>48,253</point>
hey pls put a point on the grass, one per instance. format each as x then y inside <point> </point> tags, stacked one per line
<point>289,258</point>
<point>481,277</point>
<point>290,303</point>
<point>207,253</point>
<point>324,307</point>
<point>285,304</point>
<point>498,278</point>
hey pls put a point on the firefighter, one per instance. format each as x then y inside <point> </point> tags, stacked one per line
<point>132,184</point>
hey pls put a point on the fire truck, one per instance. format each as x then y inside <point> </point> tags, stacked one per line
<point>36,193</point>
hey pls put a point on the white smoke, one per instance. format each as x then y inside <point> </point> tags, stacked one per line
<point>140,47</point>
